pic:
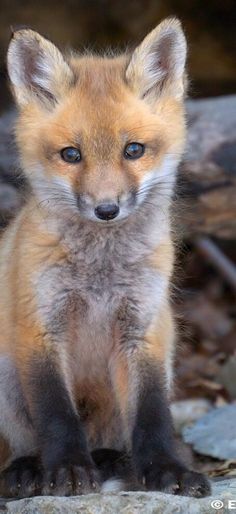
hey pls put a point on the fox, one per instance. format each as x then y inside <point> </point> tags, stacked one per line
<point>87,338</point>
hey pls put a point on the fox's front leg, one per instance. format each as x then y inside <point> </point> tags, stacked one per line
<point>153,445</point>
<point>63,465</point>
<point>143,401</point>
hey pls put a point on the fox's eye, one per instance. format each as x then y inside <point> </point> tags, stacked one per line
<point>134,150</point>
<point>71,154</point>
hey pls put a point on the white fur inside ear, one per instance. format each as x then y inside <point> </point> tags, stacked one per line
<point>43,77</point>
<point>36,67</point>
<point>167,56</point>
<point>160,58</point>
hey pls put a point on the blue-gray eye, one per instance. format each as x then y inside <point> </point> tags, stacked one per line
<point>134,151</point>
<point>71,155</point>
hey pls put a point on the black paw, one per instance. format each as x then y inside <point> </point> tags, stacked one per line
<point>174,478</point>
<point>23,478</point>
<point>71,480</point>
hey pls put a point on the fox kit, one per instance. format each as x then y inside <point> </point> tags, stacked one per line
<point>87,333</point>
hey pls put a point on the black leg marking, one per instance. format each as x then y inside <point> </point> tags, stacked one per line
<point>62,440</point>
<point>154,454</point>
<point>59,428</point>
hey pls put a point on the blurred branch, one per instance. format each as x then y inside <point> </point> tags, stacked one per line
<point>218,259</point>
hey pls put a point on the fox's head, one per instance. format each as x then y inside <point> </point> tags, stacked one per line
<point>98,135</point>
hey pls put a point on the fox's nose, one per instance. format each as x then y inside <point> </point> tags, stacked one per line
<point>107,211</point>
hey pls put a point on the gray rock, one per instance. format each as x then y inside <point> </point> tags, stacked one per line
<point>129,503</point>
<point>215,433</point>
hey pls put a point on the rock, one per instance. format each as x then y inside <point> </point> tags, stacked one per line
<point>186,412</point>
<point>223,491</point>
<point>214,434</point>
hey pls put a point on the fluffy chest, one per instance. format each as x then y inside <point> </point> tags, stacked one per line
<point>101,271</point>
<point>79,298</point>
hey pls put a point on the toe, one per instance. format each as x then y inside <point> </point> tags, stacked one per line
<point>85,480</point>
<point>30,483</point>
<point>10,484</point>
<point>194,484</point>
<point>58,483</point>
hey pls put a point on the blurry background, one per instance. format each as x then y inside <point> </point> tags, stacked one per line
<point>210,28</point>
<point>204,292</point>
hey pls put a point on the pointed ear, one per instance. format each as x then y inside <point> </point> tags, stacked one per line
<point>37,69</point>
<point>157,65</point>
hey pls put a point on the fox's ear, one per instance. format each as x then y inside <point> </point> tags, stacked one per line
<point>157,64</point>
<point>37,69</point>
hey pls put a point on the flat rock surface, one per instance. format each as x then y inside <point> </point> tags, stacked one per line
<point>223,492</point>
<point>214,434</point>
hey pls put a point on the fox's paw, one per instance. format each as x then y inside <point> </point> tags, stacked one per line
<point>173,478</point>
<point>71,480</point>
<point>23,478</point>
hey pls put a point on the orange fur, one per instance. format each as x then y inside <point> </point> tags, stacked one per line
<point>99,111</point>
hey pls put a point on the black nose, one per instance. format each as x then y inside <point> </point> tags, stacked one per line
<point>107,211</point>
